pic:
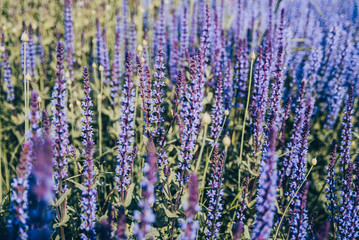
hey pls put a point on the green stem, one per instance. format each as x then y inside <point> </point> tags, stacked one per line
<point>202,148</point>
<point>209,156</point>
<point>244,123</point>
<point>25,89</point>
<point>100,118</point>
<point>286,209</point>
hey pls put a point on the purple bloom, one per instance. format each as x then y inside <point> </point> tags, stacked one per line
<point>266,191</point>
<point>189,225</point>
<point>116,65</point>
<point>190,112</point>
<point>31,57</point>
<point>217,109</point>
<point>346,223</point>
<point>45,122</point>
<point>40,51</point>
<point>7,78</point>
<point>331,189</point>
<point>183,33</point>
<point>299,223</point>
<point>42,188</point>
<point>105,60</point>
<point>243,206</point>
<point>60,125</point>
<point>69,37</point>
<point>146,217</point>
<point>215,196</point>
<point>89,192</point>
<point>126,136</point>
<point>19,195</point>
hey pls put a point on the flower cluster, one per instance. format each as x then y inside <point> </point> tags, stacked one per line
<point>126,152</point>
<point>89,192</point>
<point>60,125</point>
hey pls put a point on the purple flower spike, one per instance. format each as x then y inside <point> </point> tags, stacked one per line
<point>42,189</point>
<point>60,125</point>
<point>45,122</point>
<point>146,217</point>
<point>218,109</point>
<point>116,65</point>
<point>266,191</point>
<point>89,192</point>
<point>40,51</point>
<point>7,78</point>
<point>189,225</point>
<point>126,139</point>
<point>331,189</point>
<point>157,108</point>
<point>215,196</point>
<point>31,58</point>
<point>19,196</point>
<point>346,223</point>
<point>69,37</point>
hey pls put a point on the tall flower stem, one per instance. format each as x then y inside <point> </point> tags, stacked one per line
<point>25,90</point>
<point>290,202</point>
<point>99,109</point>
<point>209,157</point>
<point>253,57</point>
<point>202,147</point>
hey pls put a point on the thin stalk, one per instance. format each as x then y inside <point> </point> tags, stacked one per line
<point>286,209</point>
<point>209,157</point>
<point>202,147</point>
<point>99,108</point>
<point>25,90</point>
<point>244,123</point>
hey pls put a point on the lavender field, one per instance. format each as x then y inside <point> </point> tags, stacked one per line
<point>179,119</point>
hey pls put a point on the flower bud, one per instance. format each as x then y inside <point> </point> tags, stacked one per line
<point>314,161</point>
<point>99,96</point>
<point>94,65</point>
<point>139,48</point>
<point>28,77</point>
<point>71,105</point>
<point>39,99</point>
<point>2,49</point>
<point>69,82</point>
<point>226,141</point>
<point>226,112</point>
<point>67,75</point>
<point>101,69</point>
<point>24,37</point>
<point>142,60</point>
<point>206,118</point>
<point>253,56</point>
<point>144,42</point>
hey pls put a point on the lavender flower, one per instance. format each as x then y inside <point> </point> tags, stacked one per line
<point>41,189</point>
<point>331,189</point>
<point>116,65</point>
<point>300,220</point>
<point>45,122</point>
<point>60,125</point>
<point>69,36</point>
<point>189,225</point>
<point>157,108</point>
<point>191,109</point>
<point>31,58</point>
<point>105,60</point>
<point>215,196</point>
<point>19,196</point>
<point>125,141</point>
<point>184,34</point>
<point>7,78</point>
<point>266,191</point>
<point>243,206</point>
<point>217,109</point>
<point>89,192</point>
<point>145,218</point>
<point>346,223</point>
<point>40,51</point>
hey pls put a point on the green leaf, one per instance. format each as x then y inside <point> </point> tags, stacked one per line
<point>168,212</point>
<point>78,185</point>
<point>62,198</point>
<point>129,195</point>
